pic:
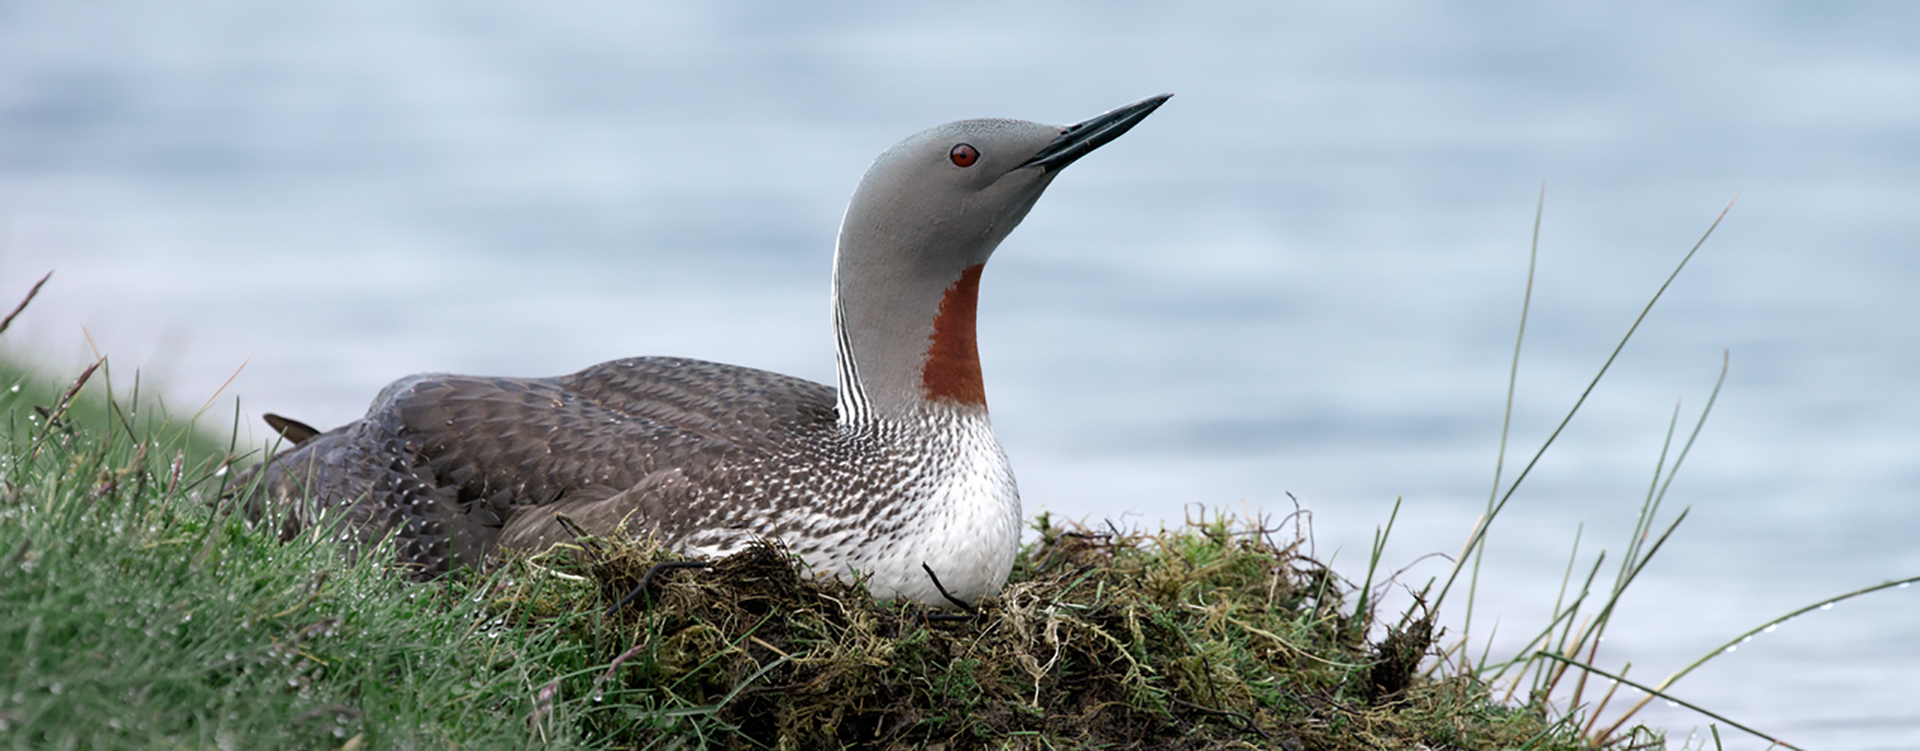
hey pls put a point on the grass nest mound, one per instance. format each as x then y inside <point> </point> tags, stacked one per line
<point>1212,636</point>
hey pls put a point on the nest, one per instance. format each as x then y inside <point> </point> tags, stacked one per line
<point>1212,636</point>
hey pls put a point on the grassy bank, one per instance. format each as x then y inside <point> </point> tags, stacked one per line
<point>133,614</point>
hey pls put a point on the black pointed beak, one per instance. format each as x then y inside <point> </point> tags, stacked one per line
<point>1081,139</point>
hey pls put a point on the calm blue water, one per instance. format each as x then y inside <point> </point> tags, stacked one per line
<point>1301,277</point>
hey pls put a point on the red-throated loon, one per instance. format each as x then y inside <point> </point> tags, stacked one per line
<point>894,471</point>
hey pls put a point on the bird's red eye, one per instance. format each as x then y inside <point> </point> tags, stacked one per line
<point>964,155</point>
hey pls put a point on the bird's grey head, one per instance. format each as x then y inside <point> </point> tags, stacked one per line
<point>921,224</point>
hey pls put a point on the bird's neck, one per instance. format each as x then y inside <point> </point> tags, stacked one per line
<point>906,343</point>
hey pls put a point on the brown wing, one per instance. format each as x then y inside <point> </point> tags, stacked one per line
<point>443,462</point>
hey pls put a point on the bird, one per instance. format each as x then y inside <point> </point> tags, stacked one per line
<point>893,478</point>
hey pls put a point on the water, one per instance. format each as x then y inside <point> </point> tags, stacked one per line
<point>1301,276</point>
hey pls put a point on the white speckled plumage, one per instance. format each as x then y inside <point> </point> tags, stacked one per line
<point>964,521</point>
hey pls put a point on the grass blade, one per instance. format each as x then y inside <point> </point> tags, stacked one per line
<point>1480,531</point>
<point>1652,692</point>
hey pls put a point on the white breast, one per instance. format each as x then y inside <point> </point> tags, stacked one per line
<point>949,503</point>
<point>936,492</point>
<point>968,527</point>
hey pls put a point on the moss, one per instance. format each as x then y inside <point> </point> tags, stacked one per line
<point>1212,636</point>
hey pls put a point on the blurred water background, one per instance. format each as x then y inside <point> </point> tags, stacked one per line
<point>1298,280</point>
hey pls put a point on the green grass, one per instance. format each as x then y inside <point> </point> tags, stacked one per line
<point>134,614</point>
<point>131,615</point>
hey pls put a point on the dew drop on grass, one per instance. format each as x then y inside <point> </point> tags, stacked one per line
<point>1903,585</point>
<point>1731,648</point>
<point>15,389</point>
<point>1828,606</point>
<point>1771,628</point>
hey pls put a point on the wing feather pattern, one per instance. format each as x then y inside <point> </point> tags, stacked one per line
<point>446,463</point>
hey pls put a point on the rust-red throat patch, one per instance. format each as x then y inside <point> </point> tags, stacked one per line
<point>952,371</point>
